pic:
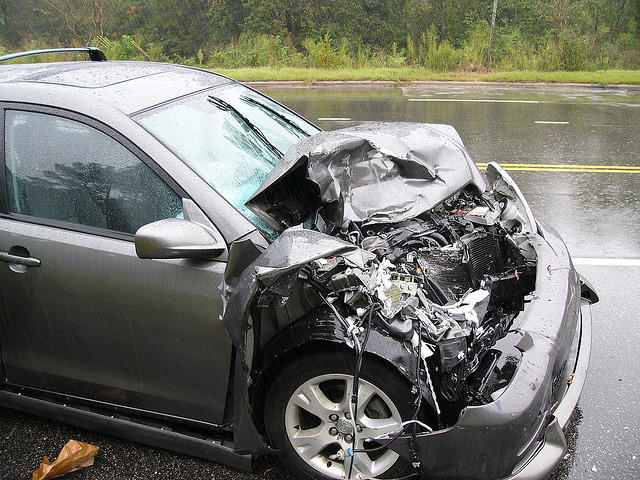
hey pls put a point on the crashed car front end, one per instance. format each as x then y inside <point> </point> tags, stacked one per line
<point>393,245</point>
<point>519,435</point>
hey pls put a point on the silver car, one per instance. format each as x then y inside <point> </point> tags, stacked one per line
<point>192,265</point>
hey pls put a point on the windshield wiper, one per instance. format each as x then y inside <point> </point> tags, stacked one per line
<point>222,105</point>
<point>277,116</point>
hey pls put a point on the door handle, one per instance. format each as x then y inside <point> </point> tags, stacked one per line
<point>17,259</point>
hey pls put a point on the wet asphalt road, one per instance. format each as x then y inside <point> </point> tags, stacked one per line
<point>596,209</point>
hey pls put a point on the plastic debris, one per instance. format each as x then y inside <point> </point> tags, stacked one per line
<point>73,456</point>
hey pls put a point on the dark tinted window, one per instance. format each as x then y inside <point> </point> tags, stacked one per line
<point>60,169</point>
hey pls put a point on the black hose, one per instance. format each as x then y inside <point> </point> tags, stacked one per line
<point>356,373</point>
<point>384,445</point>
<point>437,291</point>
<point>439,238</point>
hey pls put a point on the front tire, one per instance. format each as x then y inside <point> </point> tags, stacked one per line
<point>308,416</point>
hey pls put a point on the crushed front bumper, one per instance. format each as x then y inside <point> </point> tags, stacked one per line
<point>552,447</point>
<point>519,435</point>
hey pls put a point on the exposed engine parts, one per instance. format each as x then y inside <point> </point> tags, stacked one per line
<point>392,245</point>
<point>392,230</point>
<point>447,284</point>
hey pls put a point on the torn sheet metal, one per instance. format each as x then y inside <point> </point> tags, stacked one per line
<point>372,173</point>
<point>293,249</point>
<point>404,255</point>
<point>274,270</point>
<point>517,210</point>
<point>441,288</point>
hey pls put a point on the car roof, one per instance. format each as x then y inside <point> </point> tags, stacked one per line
<point>127,86</point>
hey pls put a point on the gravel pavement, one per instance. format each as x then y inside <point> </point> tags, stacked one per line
<point>26,439</point>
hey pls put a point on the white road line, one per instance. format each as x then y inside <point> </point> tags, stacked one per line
<point>549,122</point>
<point>335,119</point>
<point>472,100</point>
<point>608,262</point>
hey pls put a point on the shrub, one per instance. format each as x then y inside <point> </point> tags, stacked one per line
<point>565,51</point>
<point>475,46</point>
<point>321,54</point>
<point>255,51</point>
<point>444,58</point>
<point>127,48</point>
<point>514,51</point>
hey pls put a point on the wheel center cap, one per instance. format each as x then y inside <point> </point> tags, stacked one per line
<point>344,426</point>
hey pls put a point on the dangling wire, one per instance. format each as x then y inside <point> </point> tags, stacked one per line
<point>356,381</point>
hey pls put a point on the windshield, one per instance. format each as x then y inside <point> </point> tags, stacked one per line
<point>231,136</point>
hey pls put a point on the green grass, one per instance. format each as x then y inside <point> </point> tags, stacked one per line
<point>417,74</point>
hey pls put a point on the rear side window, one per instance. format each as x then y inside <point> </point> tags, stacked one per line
<point>60,169</point>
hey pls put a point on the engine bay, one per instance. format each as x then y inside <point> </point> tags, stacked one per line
<point>447,284</point>
<point>391,232</point>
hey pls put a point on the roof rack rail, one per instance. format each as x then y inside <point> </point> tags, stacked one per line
<point>95,54</point>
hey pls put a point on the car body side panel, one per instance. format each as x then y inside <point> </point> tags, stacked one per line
<point>207,448</point>
<point>97,322</point>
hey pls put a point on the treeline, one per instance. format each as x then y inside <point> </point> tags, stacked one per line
<point>440,35</point>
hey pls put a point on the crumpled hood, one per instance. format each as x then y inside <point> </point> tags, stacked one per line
<point>370,173</point>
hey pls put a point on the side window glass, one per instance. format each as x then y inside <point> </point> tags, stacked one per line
<point>60,169</point>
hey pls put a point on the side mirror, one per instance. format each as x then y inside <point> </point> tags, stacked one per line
<point>177,238</point>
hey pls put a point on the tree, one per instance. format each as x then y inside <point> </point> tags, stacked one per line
<point>561,14</point>
<point>227,19</point>
<point>182,28</point>
<point>23,20</point>
<point>277,17</point>
<point>84,19</point>
<point>417,14</point>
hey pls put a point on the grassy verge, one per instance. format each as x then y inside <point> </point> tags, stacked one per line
<point>416,74</point>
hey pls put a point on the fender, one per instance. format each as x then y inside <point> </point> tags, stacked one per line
<point>322,326</point>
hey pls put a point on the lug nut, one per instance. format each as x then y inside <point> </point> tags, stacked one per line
<point>358,428</point>
<point>348,438</point>
<point>347,415</point>
<point>333,417</point>
<point>333,431</point>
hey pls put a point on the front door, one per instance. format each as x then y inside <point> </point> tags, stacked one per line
<point>80,313</point>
